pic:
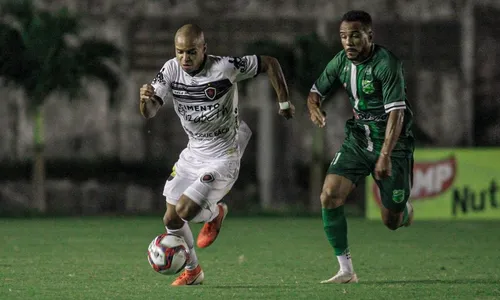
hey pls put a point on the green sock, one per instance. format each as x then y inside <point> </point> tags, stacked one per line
<point>405,217</point>
<point>335,225</point>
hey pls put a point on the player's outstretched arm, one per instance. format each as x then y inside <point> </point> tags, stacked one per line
<point>272,68</point>
<point>149,102</point>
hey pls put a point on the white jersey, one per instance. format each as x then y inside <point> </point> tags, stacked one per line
<point>207,103</point>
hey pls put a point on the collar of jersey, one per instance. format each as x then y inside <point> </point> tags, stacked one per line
<point>368,58</point>
<point>202,66</point>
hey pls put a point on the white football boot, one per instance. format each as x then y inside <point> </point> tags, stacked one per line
<point>342,277</point>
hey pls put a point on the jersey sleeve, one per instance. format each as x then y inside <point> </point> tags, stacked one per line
<point>241,68</point>
<point>329,80</point>
<point>391,76</point>
<point>161,82</point>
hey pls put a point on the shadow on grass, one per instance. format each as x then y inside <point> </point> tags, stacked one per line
<point>433,281</point>
<point>368,282</point>
<point>249,286</point>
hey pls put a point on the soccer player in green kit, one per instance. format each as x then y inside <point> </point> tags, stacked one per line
<point>379,138</point>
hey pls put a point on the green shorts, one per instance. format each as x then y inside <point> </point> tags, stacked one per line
<point>355,163</point>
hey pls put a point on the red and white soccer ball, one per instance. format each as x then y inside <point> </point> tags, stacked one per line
<point>168,254</point>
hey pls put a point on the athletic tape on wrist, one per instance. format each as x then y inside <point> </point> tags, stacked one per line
<point>284,105</point>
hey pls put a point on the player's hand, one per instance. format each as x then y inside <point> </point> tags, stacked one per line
<point>146,92</point>
<point>318,116</point>
<point>289,112</point>
<point>383,168</point>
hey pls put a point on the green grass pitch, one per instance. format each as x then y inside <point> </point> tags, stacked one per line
<point>253,258</point>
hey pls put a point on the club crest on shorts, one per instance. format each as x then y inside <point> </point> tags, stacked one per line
<point>210,92</point>
<point>207,177</point>
<point>398,196</point>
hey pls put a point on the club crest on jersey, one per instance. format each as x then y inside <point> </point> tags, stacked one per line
<point>367,86</point>
<point>210,92</point>
<point>207,178</point>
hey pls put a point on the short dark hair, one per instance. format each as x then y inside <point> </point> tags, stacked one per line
<point>358,16</point>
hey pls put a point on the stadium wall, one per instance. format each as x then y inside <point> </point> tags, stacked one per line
<point>87,135</point>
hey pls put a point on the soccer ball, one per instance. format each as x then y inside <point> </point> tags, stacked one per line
<point>168,254</point>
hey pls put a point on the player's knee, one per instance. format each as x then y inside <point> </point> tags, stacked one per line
<point>391,220</point>
<point>182,211</point>
<point>330,198</point>
<point>172,222</point>
<point>391,224</point>
<point>186,208</point>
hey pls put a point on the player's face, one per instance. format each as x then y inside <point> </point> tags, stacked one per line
<point>356,40</point>
<point>190,53</point>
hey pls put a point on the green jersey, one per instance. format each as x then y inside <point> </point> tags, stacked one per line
<point>375,87</point>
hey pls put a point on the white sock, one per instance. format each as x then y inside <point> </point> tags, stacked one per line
<point>206,215</point>
<point>345,263</point>
<point>186,233</point>
<point>193,260</point>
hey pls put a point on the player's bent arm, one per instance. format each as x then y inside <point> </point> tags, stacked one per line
<point>150,106</point>
<point>272,68</point>
<point>313,100</point>
<point>318,116</point>
<point>392,131</point>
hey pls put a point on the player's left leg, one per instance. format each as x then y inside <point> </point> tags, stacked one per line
<point>395,191</point>
<point>226,175</point>
<point>199,210</point>
<point>200,201</point>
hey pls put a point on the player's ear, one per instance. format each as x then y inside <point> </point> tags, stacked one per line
<point>370,35</point>
<point>205,48</point>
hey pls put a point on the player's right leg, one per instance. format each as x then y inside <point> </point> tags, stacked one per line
<point>193,274</point>
<point>335,191</point>
<point>174,187</point>
<point>347,167</point>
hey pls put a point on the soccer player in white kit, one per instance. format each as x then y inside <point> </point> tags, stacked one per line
<point>204,92</point>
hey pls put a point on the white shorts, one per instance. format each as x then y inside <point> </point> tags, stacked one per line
<point>204,181</point>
